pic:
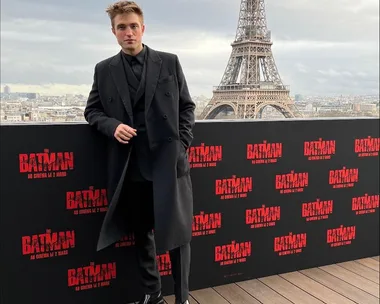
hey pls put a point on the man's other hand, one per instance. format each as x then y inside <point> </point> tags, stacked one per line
<point>124,133</point>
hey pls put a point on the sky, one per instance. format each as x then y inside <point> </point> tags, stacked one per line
<point>320,47</point>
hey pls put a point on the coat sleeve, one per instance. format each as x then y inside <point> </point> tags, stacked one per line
<point>94,111</point>
<point>186,109</point>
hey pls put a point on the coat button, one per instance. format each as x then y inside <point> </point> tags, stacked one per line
<point>167,93</point>
<point>169,139</point>
<point>165,116</point>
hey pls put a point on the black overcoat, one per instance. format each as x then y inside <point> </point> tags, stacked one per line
<point>169,112</point>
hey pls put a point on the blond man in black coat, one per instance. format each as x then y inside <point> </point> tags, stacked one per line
<point>141,102</point>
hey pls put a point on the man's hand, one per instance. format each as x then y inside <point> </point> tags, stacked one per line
<point>124,133</point>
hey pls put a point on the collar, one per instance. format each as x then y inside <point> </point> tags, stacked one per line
<point>140,57</point>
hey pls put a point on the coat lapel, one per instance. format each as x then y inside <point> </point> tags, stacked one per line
<point>118,75</point>
<point>153,70</point>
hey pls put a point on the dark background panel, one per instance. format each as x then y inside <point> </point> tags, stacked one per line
<point>30,207</point>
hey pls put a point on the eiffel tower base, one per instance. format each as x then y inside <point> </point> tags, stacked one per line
<point>249,104</point>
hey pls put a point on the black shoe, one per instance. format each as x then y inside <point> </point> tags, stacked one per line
<point>152,299</point>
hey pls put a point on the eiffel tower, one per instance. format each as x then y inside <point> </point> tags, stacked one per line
<point>248,95</point>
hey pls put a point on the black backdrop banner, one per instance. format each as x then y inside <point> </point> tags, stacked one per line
<point>269,197</point>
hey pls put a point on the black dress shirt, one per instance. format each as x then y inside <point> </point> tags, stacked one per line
<point>136,63</point>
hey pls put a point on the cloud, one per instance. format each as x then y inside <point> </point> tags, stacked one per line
<point>319,47</point>
<point>334,73</point>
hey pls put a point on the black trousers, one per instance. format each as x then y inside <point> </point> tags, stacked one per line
<point>138,208</point>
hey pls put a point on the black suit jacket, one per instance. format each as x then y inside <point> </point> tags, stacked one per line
<point>109,102</point>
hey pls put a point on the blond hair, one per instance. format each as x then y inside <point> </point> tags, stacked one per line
<point>122,7</point>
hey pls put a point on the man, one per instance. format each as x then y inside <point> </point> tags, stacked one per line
<point>140,101</point>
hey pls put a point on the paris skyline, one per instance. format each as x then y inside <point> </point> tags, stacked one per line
<point>320,48</point>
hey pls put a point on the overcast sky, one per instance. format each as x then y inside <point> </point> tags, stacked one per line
<point>320,47</point>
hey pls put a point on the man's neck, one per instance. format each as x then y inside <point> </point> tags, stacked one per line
<point>133,52</point>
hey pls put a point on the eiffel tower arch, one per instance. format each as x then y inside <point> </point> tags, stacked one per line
<point>251,81</point>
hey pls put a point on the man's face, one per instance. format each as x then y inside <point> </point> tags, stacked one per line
<point>128,31</point>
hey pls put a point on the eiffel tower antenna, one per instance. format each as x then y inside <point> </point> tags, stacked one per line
<point>251,80</point>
